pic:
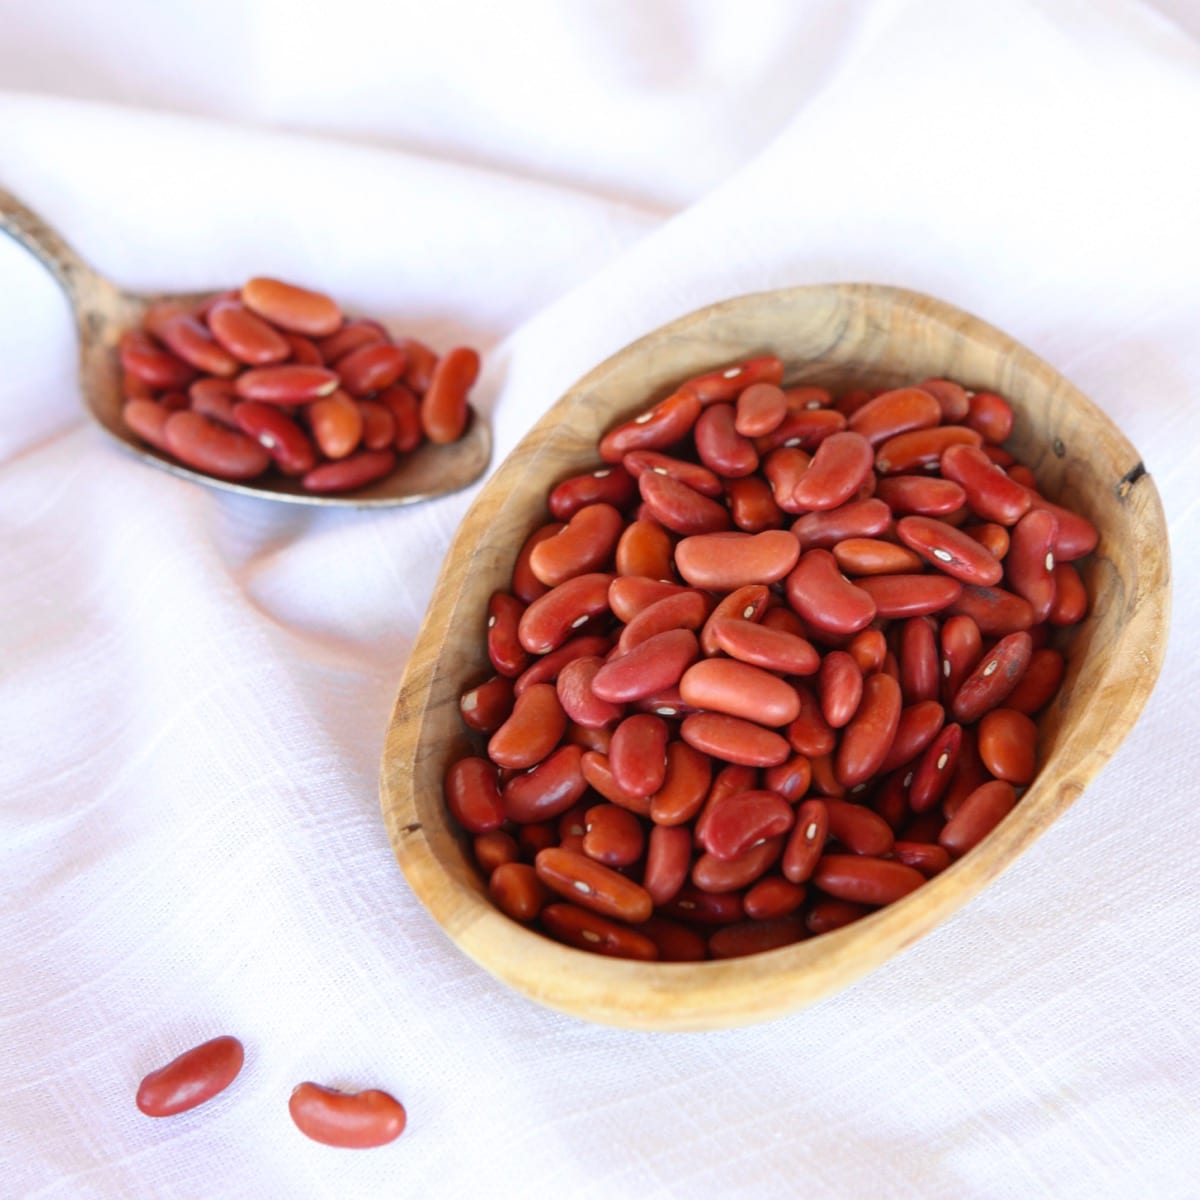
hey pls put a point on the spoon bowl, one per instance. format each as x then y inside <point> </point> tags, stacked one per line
<point>103,312</point>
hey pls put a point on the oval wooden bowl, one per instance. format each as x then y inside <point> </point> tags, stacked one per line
<point>838,336</point>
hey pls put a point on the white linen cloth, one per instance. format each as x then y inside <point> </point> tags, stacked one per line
<point>194,686</point>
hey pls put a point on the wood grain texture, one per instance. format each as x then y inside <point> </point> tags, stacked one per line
<point>839,336</point>
<point>103,312</point>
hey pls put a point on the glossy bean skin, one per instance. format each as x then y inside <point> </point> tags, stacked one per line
<point>696,906</point>
<point>830,915</point>
<point>726,383</point>
<point>645,550</point>
<point>200,442</point>
<point>810,734</point>
<point>718,875</point>
<point>858,519</point>
<point>680,508</point>
<point>858,829</point>
<point>278,434</point>
<point>405,408</point>
<point>911,451</point>
<point>918,725</point>
<point>734,740</point>
<point>929,778</point>
<point>756,937</point>
<point>605,485</point>
<point>598,774</point>
<point>920,495</point>
<point>658,428</point>
<point>996,612</point>
<point>579,701</point>
<point>841,464</point>
<point>349,1120</point>
<point>287,384</point>
<point>995,537</point>
<point>585,544</point>
<point>1008,745</point>
<point>951,397</point>
<point>668,862</point>
<point>870,556</point>
<point>760,409</point>
<point>550,619</point>
<point>422,363</point>
<point>372,367</point>
<point>613,835</point>
<point>695,476</point>
<point>892,413</point>
<point>592,885</point>
<point>304,351</point>
<point>790,779</point>
<point>840,686</point>
<point>353,335</point>
<point>728,561</point>
<point>806,843</point>
<point>725,685</point>
<point>682,610</point>
<point>651,666</point>
<point>526,586</point>
<point>193,1078</point>
<point>485,707</point>
<point>1076,535</point>
<point>732,827</point>
<point>950,550</point>
<point>920,665</point>
<point>590,931</point>
<point>990,493</point>
<point>685,786</point>
<point>1029,567</point>
<point>549,789</point>
<point>378,425</point>
<point>719,445</point>
<point>772,897</point>
<point>1070,596</point>
<point>992,415</point>
<point>545,668</point>
<point>349,474</point>
<point>995,676</point>
<point>977,816</point>
<point>444,409</point>
<point>638,754</point>
<point>803,429</point>
<point>747,603</point>
<point>518,892</point>
<point>927,857</point>
<point>493,850</point>
<point>760,646</point>
<point>783,468</point>
<point>336,424</point>
<point>1039,684</point>
<point>148,420</point>
<point>820,593</point>
<point>910,595</point>
<point>535,727</point>
<point>864,880</point>
<point>869,735</point>
<point>472,791</point>
<point>295,309</point>
<point>246,336</point>
<point>507,655</point>
<point>144,359</point>
<point>189,339</point>
<point>752,505</point>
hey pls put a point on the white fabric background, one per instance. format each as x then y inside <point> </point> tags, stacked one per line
<point>194,686</point>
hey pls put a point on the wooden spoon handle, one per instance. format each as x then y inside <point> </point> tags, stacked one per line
<point>22,223</point>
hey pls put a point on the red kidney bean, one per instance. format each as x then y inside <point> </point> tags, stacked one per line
<point>349,1120</point>
<point>473,795</point>
<point>977,816</point>
<point>726,383</point>
<point>773,897</point>
<point>638,462</point>
<point>910,595</point>
<point>717,875</point>
<point>920,674</point>
<point>405,410</point>
<point>951,397</point>
<point>719,445</point>
<point>200,442</point>
<point>685,785</point>
<point>683,610</point>
<point>579,702</point>
<point>1076,535</point>
<point>752,505</point>
<point>990,493</point>
<point>969,773</point>
<point>652,665</point>
<point>699,907</point>
<point>998,672</point>
<point>535,727</point>
<point>928,858</point>
<point>549,620</point>
<point>727,686</point>
<point>994,537</point>
<point>991,415</point>
<point>589,931</point>
<point>605,485</point>
<point>336,425</point>
<point>821,594</point>
<point>734,740</point>
<point>729,829</point>
<point>840,465</point>
<point>585,544</point>
<point>592,885</point>
<point>840,685</point>
<point>806,428</point>
<point>278,434</point>
<point>1029,567</point>
<point>638,754</point>
<point>727,561</point>
<point>518,892</point>
<point>810,734</point>
<point>929,778</point>
<point>869,556</point>
<point>349,474</point>
<point>148,420</point>
<point>135,388</point>
<point>681,509</point>
<point>353,335</point>
<point>1008,745</point>
<point>1039,684</point>
<point>890,800</point>
<point>869,735</point>
<point>668,862</point>
<point>918,725</point>
<point>485,707</point>
<point>772,649</point>
<point>187,338</point>
<point>828,915</point>
<point>868,649</point>
<point>1070,596</point>
<point>613,836</point>
<point>865,880</point>
<point>790,779</point>
<point>807,398</point>
<point>370,368</point>
<point>494,849</point>
<point>995,611</point>
<point>378,425</point>
<point>756,937</point>
<point>761,409</point>
<point>444,410</point>
<point>304,353</point>
<point>504,649</point>
<point>422,363</point>
<point>895,412</point>
<point>193,1078</point>
<point>588,738</point>
<point>526,586</point>
<point>999,455</point>
<point>549,789</point>
<point>806,843</point>
<point>921,448</point>
<point>630,595</point>
<point>747,603</point>
<point>950,550</point>
<point>858,829</point>
<point>961,647</point>
<point>598,773</point>
<point>645,549</point>
<point>292,308</point>
<point>546,668</point>
<point>658,428</point>
<point>859,519</point>
<point>783,469</point>
<point>159,368</point>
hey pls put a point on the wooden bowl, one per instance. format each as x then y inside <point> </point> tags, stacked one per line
<point>838,336</point>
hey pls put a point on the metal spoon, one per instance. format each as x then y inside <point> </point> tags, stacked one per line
<point>103,312</point>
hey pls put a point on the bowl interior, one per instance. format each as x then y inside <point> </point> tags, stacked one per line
<point>838,336</point>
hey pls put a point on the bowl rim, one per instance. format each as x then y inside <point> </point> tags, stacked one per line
<point>718,994</point>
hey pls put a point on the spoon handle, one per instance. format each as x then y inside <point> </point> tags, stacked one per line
<point>22,223</point>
